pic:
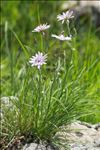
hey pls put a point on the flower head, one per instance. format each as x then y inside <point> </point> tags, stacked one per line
<point>38,60</point>
<point>41,28</point>
<point>62,37</point>
<point>65,16</point>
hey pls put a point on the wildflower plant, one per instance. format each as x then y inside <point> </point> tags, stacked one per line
<point>65,16</point>
<point>46,102</point>
<point>41,28</point>
<point>38,60</point>
<point>62,37</point>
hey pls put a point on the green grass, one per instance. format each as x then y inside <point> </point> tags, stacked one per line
<point>65,89</point>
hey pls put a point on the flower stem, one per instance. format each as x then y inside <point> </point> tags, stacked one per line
<point>68,27</point>
<point>41,36</point>
<point>39,97</point>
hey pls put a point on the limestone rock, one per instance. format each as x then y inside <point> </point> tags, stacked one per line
<point>34,146</point>
<point>81,136</point>
<point>8,101</point>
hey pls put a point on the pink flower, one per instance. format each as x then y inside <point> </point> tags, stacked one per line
<point>62,37</point>
<point>41,28</point>
<point>65,16</point>
<point>38,60</point>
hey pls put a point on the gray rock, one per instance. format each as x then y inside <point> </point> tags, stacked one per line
<point>97,126</point>
<point>80,136</point>
<point>97,142</point>
<point>86,124</point>
<point>34,146</point>
<point>81,4</point>
<point>31,146</point>
<point>77,146</point>
<point>8,101</point>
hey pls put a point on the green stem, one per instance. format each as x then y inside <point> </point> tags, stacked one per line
<point>41,37</point>
<point>39,97</point>
<point>68,28</point>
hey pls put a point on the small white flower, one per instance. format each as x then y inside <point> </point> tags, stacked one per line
<point>65,16</point>
<point>62,37</point>
<point>41,28</point>
<point>38,60</point>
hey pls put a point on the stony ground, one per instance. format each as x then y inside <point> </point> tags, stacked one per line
<point>79,135</point>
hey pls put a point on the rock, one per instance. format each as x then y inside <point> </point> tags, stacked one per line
<point>5,101</point>
<point>86,124</point>
<point>8,101</point>
<point>97,126</point>
<point>77,147</point>
<point>34,146</point>
<point>80,136</point>
<point>95,4</point>
<point>97,142</point>
<point>81,4</point>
